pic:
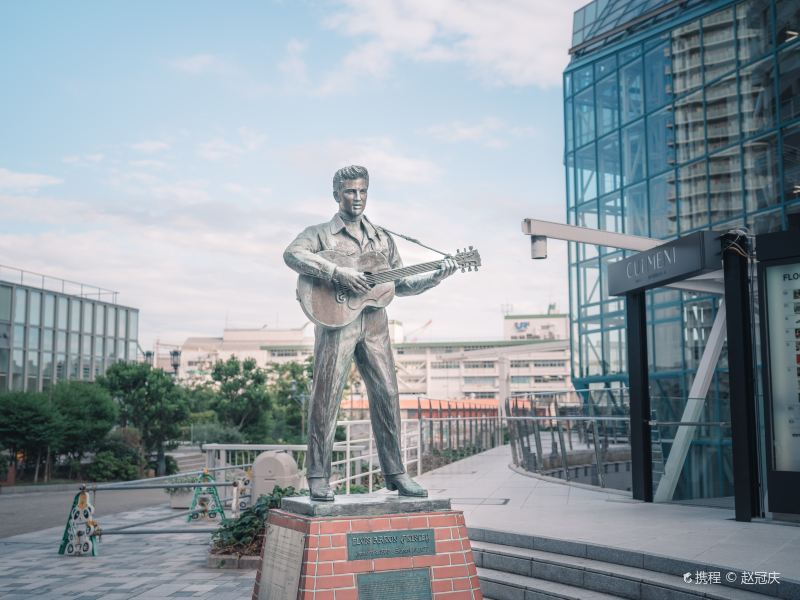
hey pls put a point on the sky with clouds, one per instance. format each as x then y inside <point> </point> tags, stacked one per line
<point>171,150</point>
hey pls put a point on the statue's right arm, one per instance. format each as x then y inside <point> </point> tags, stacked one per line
<point>301,256</point>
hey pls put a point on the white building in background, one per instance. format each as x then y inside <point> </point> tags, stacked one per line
<point>532,357</point>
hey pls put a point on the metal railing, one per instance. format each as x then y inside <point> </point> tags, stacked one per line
<point>56,284</point>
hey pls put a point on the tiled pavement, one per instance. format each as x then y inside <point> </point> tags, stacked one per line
<point>127,566</point>
<point>490,494</point>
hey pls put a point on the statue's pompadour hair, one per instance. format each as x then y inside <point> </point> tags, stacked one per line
<point>349,173</point>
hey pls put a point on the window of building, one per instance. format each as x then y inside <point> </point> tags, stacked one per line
<point>444,365</point>
<point>725,189</point>
<point>5,357</point>
<point>757,96</point>
<point>74,315</point>
<point>122,321</point>
<point>633,153</point>
<point>33,372</point>
<point>99,320</point>
<point>483,395</point>
<point>584,117</point>
<point>658,76</point>
<point>631,91</point>
<point>74,344</point>
<point>87,317</point>
<point>283,353</point>
<point>761,184</point>
<point>689,127</point>
<point>19,336</point>
<point>636,213</point>
<point>791,164</point>
<point>520,379</point>
<point>550,363</point>
<point>5,303</point>
<point>35,308</point>
<point>789,69</point>
<point>686,66</point>
<point>719,46</point>
<point>754,29</point>
<point>694,196</point>
<point>663,203</point>
<point>47,340</point>
<point>608,167</point>
<point>479,364</point>
<point>607,104</point>
<point>61,314</point>
<point>660,141</point>
<point>586,169</point>
<point>33,338</point>
<point>20,305</point>
<point>133,325</point>
<point>722,114</point>
<point>611,213</point>
<point>480,381</point>
<point>49,310</point>
<point>787,17</point>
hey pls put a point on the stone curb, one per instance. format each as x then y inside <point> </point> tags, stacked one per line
<point>232,561</point>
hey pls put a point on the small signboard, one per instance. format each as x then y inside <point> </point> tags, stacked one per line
<point>390,544</point>
<point>685,257</point>
<point>410,584</point>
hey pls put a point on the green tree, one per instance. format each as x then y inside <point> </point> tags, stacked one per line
<point>151,401</point>
<point>28,424</point>
<point>243,397</point>
<point>88,413</point>
<point>290,389</point>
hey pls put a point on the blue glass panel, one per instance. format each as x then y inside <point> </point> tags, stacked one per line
<point>694,196</point>
<point>719,45</point>
<point>689,127</point>
<point>605,66</point>
<point>611,213</point>
<point>567,84</point>
<point>787,17</point>
<point>636,213</point>
<point>658,77</point>
<point>757,95</point>
<point>607,104</point>
<point>761,183</point>
<point>629,54</point>
<point>791,164</point>
<point>722,114</point>
<point>725,185</point>
<point>660,141</point>
<point>584,117</point>
<point>753,29</point>
<point>663,209</point>
<point>631,91</point>
<point>609,168</point>
<point>789,69</point>
<point>568,125</point>
<point>570,166</point>
<point>633,153</point>
<point>582,78</point>
<point>687,70</point>
<point>586,171</point>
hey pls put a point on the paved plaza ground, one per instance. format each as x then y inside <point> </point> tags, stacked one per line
<point>490,494</point>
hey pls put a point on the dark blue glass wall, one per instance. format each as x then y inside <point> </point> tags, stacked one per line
<point>692,123</point>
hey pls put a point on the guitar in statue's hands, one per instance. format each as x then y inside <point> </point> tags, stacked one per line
<point>328,304</point>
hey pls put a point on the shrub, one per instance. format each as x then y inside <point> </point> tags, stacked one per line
<point>245,534</point>
<point>215,433</point>
<point>107,467</point>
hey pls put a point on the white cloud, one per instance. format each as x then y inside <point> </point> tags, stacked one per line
<point>83,159</point>
<point>507,42</point>
<point>200,63</point>
<point>150,146</point>
<point>220,148</point>
<point>293,65</point>
<point>490,132</point>
<point>380,155</point>
<point>25,182</point>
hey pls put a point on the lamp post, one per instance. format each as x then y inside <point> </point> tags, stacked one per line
<point>175,361</point>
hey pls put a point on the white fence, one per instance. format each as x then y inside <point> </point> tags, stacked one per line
<point>355,459</point>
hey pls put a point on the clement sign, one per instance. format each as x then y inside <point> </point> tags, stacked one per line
<point>678,259</point>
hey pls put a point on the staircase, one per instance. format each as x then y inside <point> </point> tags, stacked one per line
<point>521,567</point>
<point>189,461</point>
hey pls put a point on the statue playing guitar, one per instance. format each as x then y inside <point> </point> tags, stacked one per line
<point>349,271</point>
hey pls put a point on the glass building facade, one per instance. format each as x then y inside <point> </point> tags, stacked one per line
<point>678,117</point>
<point>46,336</point>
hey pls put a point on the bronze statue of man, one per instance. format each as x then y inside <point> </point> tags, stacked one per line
<point>366,338</point>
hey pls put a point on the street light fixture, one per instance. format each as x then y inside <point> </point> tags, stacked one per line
<point>175,361</point>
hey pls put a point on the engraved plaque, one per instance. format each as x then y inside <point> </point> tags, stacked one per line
<point>411,584</point>
<point>390,544</point>
<point>283,558</point>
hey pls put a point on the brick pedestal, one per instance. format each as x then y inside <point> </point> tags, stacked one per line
<point>315,557</point>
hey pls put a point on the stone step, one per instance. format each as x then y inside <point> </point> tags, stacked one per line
<point>190,462</point>
<point>500,585</point>
<point>593,575</point>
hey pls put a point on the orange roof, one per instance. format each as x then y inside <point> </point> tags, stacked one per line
<point>411,403</point>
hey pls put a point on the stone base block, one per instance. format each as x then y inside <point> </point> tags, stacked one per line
<point>367,552</point>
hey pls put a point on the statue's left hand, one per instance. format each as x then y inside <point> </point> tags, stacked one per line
<point>446,268</point>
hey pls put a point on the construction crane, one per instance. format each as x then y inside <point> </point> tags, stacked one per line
<point>418,330</point>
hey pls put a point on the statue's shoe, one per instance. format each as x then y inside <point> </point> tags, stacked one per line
<point>320,490</point>
<point>405,486</point>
